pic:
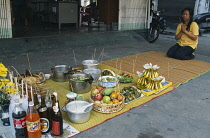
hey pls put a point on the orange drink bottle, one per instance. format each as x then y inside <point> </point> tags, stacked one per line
<point>33,122</point>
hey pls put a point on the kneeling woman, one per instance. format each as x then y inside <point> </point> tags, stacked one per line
<point>187,33</point>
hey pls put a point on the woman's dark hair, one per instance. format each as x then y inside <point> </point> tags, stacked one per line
<point>191,17</point>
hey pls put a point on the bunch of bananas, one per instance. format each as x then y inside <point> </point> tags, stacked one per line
<point>154,85</point>
<point>150,73</point>
<point>142,80</point>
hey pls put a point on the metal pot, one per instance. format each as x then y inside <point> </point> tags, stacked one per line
<point>78,86</point>
<point>95,73</point>
<point>89,64</point>
<point>76,117</point>
<point>60,73</point>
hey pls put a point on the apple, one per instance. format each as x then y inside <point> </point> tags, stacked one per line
<point>99,88</point>
<point>98,96</point>
<point>94,92</point>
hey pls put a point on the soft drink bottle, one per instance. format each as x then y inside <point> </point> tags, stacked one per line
<point>19,120</point>
<point>33,122</point>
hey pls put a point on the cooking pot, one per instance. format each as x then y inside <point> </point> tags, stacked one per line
<point>80,82</point>
<point>78,117</point>
<point>60,73</point>
<point>95,73</point>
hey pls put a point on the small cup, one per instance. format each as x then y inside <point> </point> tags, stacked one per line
<point>71,96</point>
<point>47,76</point>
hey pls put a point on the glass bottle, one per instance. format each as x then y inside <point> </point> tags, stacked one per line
<point>57,120</point>
<point>44,117</point>
<point>36,102</point>
<point>33,122</point>
<point>19,120</point>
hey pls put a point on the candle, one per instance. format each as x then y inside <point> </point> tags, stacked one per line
<point>26,85</point>
<point>10,76</point>
<point>16,84</point>
<point>32,95</point>
<point>22,87</point>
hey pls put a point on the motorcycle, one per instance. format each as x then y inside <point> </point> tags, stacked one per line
<point>157,26</point>
<point>203,21</point>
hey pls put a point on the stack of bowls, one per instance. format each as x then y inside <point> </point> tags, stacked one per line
<point>90,64</point>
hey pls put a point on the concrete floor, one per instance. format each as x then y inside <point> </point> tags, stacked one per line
<point>182,113</point>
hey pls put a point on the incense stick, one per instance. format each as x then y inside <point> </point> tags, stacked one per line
<point>120,65</point>
<point>101,54</point>
<point>116,63</point>
<point>75,58</point>
<point>94,54</point>
<point>29,62</point>
<point>17,72</point>
<point>133,66</point>
<point>168,70</point>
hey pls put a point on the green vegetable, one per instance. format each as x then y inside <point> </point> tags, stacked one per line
<point>107,91</point>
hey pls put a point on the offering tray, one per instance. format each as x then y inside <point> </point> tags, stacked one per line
<point>131,94</point>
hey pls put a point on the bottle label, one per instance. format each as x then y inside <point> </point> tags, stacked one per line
<point>55,109</point>
<point>44,122</point>
<point>37,106</point>
<point>19,123</point>
<point>33,126</point>
<point>56,128</point>
<point>43,109</point>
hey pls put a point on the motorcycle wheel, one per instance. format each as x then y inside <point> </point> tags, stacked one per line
<point>162,29</point>
<point>153,34</point>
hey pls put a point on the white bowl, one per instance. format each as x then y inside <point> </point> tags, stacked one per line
<point>107,84</point>
<point>47,76</point>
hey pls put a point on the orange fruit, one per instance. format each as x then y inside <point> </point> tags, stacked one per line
<point>115,101</point>
<point>120,97</point>
<point>113,95</point>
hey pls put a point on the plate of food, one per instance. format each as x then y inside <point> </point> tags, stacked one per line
<point>125,78</point>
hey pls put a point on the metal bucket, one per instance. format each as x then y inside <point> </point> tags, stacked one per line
<point>76,117</point>
<point>60,73</point>
<point>78,86</point>
<point>89,64</point>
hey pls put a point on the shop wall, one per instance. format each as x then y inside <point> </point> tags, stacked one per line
<point>133,14</point>
<point>5,19</point>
